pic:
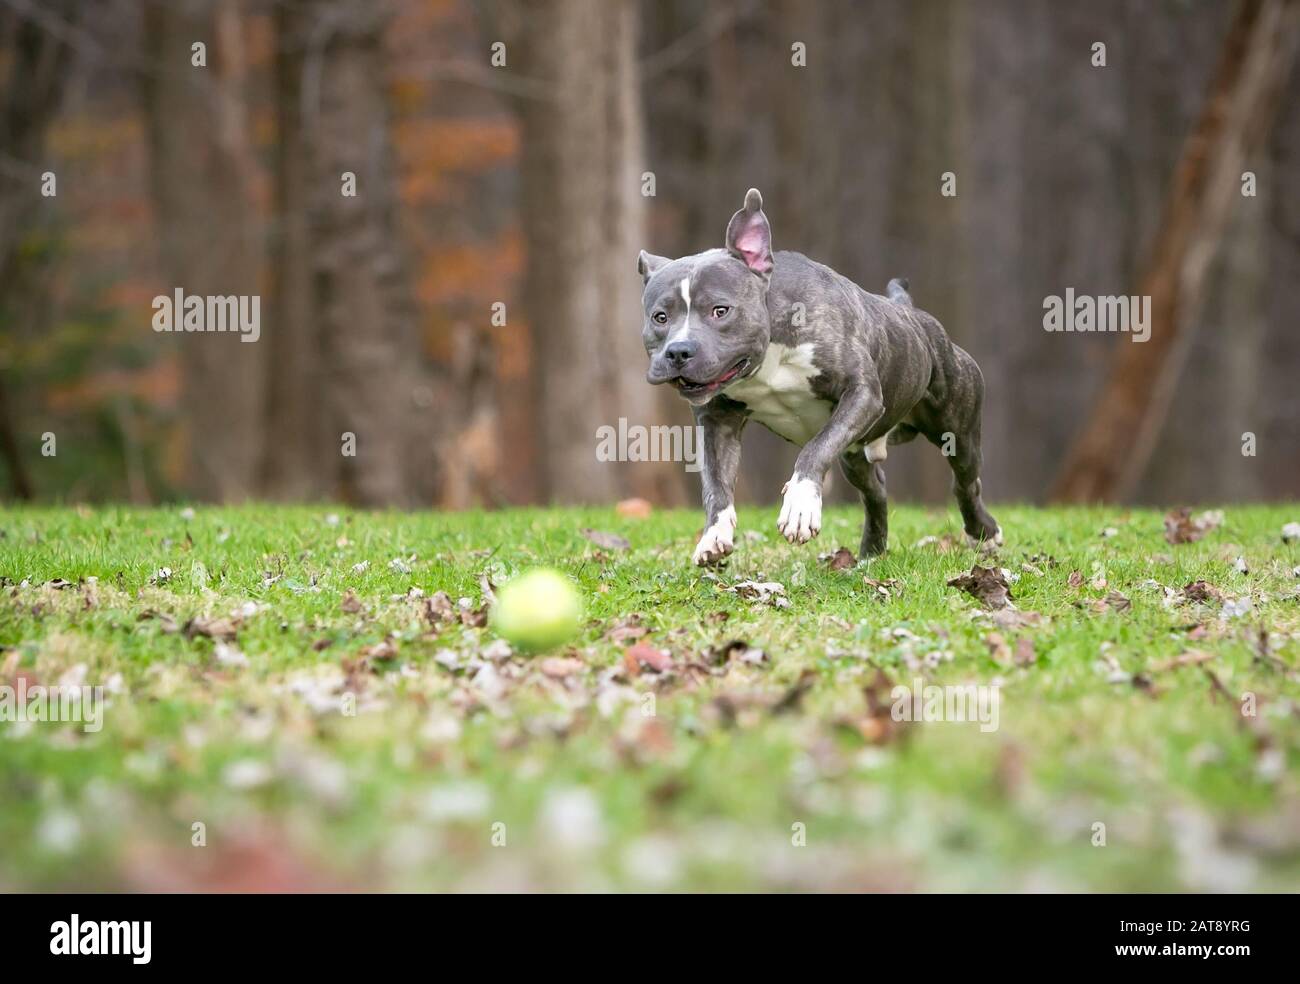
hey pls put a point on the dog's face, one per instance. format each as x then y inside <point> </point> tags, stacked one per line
<point>706,321</point>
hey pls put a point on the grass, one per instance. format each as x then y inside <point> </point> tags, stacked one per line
<point>465,767</point>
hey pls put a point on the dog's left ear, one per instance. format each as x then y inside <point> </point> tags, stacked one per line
<point>647,264</point>
<point>749,236</point>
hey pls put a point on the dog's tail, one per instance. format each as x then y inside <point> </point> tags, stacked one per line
<point>897,291</point>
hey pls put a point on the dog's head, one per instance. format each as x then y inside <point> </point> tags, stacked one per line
<point>706,322</point>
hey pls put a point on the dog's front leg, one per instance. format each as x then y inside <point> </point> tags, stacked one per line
<point>720,430</point>
<point>801,510</point>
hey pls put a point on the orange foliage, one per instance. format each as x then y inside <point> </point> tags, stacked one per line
<point>157,384</point>
<point>472,272</point>
<point>432,149</point>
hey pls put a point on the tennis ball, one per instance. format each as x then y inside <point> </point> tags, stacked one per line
<point>537,610</point>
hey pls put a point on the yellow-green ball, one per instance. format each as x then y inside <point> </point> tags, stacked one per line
<point>538,610</point>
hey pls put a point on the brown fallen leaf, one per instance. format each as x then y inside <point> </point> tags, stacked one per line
<point>166,622</point>
<point>634,509</point>
<point>882,589</point>
<point>559,667</point>
<point>474,618</point>
<point>1117,602</point>
<point>223,629</point>
<point>627,629</point>
<point>643,655</point>
<point>1076,579</point>
<point>1182,527</point>
<point>999,651</point>
<point>1024,654</point>
<point>986,584</point>
<point>767,592</point>
<point>439,608</point>
<point>879,726</point>
<point>350,604</point>
<point>609,541</point>
<point>380,651</point>
<point>842,559</point>
<point>1203,592</point>
<point>718,655</point>
<point>1011,618</point>
<point>1189,658</point>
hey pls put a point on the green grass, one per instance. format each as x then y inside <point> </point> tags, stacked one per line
<point>591,785</point>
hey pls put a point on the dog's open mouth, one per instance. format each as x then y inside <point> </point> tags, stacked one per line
<point>689,388</point>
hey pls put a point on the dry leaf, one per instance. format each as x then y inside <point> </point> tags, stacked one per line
<point>634,509</point>
<point>999,651</point>
<point>439,608</point>
<point>609,541</point>
<point>1010,618</point>
<point>768,592</point>
<point>1182,527</point>
<point>881,588</point>
<point>223,629</point>
<point>642,654</point>
<point>559,667</point>
<point>1203,592</point>
<point>987,584</point>
<point>1189,658</point>
<point>842,559</point>
<point>627,629</point>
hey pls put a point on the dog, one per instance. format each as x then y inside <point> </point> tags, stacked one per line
<point>744,333</point>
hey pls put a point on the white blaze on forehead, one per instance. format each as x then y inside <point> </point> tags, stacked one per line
<point>685,330</point>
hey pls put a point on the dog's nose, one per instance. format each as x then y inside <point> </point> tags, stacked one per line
<point>679,353</point>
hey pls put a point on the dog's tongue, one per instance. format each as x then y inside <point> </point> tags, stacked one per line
<point>727,376</point>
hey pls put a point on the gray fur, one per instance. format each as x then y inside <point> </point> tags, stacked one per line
<point>880,367</point>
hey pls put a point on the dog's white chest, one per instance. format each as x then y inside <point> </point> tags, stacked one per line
<point>780,397</point>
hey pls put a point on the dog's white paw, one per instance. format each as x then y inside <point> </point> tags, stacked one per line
<point>801,511</point>
<point>979,544</point>
<point>718,540</point>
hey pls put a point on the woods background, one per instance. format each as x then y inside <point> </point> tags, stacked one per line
<point>522,185</point>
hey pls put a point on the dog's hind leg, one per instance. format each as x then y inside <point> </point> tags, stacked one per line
<point>869,479</point>
<point>954,427</point>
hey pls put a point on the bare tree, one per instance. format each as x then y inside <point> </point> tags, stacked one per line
<point>33,70</point>
<point>372,382</point>
<point>583,215</point>
<point>298,454</point>
<point>202,170</point>
<point>1110,454</point>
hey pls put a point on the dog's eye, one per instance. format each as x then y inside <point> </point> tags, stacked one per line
<point>660,317</point>
<point>720,310</point>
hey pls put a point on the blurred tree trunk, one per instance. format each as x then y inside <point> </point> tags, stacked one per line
<point>584,221</point>
<point>372,380</point>
<point>35,64</point>
<point>299,455</point>
<point>203,173</point>
<point>1110,455</point>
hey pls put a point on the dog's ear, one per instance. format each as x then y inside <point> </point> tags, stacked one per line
<point>749,236</point>
<point>647,264</point>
